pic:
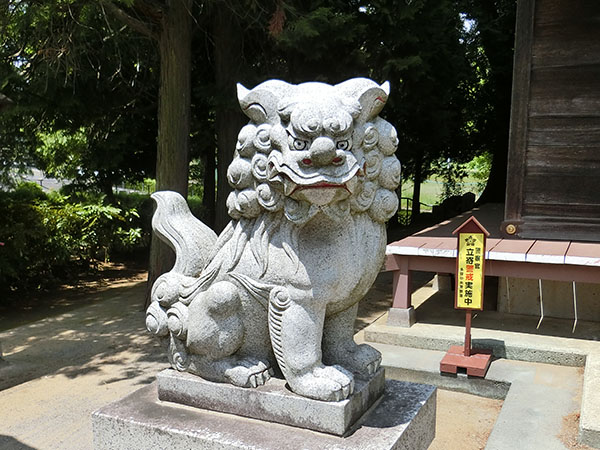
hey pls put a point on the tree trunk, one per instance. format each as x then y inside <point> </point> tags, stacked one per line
<point>172,163</point>
<point>229,119</point>
<point>106,186</point>
<point>497,49</point>
<point>208,197</point>
<point>495,188</point>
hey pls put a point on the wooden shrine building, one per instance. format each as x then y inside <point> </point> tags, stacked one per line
<point>553,182</point>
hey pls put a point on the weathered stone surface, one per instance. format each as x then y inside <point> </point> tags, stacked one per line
<point>404,419</point>
<point>272,402</point>
<point>314,177</point>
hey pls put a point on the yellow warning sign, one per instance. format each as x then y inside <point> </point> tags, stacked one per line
<point>469,273</point>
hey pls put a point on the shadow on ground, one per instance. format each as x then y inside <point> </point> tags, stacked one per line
<point>10,443</point>
<point>438,309</point>
<point>109,331</point>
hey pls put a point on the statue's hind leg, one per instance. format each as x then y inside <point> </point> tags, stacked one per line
<point>339,346</point>
<point>215,335</point>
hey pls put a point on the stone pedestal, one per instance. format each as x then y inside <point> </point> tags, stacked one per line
<point>403,418</point>
<point>401,317</point>
<point>272,402</point>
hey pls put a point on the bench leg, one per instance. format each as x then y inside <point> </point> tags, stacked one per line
<point>443,282</point>
<point>402,314</point>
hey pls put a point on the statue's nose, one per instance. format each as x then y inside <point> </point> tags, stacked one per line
<point>322,151</point>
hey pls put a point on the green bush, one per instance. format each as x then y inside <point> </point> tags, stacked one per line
<point>50,238</point>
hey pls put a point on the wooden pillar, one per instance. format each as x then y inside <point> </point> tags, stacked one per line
<point>402,285</point>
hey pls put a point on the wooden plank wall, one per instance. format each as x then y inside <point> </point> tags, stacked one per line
<point>561,182</point>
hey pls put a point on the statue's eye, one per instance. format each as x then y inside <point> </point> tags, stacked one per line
<point>342,145</point>
<point>299,144</point>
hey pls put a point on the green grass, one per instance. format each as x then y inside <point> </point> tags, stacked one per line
<point>432,191</point>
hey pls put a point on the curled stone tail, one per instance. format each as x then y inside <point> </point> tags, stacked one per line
<point>191,240</point>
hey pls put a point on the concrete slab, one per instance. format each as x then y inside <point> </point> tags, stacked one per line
<point>403,419</point>
<point>589,429</point>
<point>510,345</point>
<point>537,397</point>
<point>272,402</point>
<point>510,336</point>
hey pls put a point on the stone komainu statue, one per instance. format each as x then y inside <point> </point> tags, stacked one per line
<point>314,175</point>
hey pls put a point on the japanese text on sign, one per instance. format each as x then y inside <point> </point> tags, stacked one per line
<point>469,275</point>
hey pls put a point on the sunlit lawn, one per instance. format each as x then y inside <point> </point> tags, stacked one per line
<point>432,191</point>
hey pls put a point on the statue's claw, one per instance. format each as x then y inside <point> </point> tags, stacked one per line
<point>362,359</point>
<point>328,383</point>
<point>249,372</point>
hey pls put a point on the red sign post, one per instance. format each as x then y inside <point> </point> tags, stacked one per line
<point>470,268</point>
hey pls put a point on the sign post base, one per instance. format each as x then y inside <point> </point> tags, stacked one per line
<point>476,364</point>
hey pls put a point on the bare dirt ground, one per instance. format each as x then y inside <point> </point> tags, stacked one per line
<point>76,350</point>
<point>23,309</point>
<point>464,421</point>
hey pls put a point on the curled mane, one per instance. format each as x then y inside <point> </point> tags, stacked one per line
<point>258,205</point>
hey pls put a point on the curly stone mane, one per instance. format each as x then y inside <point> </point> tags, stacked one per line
<point>258,203</point>
<point>253,194</point>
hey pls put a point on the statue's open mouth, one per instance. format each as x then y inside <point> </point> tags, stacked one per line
<point>296,178</point>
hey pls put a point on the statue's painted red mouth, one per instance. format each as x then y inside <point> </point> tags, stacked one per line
<point>322,185</point>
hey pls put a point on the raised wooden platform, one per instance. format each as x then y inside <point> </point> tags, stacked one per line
<point>434,250</point>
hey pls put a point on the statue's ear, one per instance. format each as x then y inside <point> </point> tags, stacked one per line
<point>370,95</point>
<point>260,103</point>
<point>373,100</point>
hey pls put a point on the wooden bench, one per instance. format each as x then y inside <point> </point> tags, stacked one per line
<point>534,259</point>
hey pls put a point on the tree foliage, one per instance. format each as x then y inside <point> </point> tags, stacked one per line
<point>102,90</point>
<point>84,93</point>
<point>50,238</point>
<point>90,70</point>
<point>492,47</point>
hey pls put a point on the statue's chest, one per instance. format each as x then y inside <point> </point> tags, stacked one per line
<point>337,259</point>
<point>332,264</point>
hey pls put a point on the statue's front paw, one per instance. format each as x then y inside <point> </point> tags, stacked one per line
<point>367,358</point>
<point>249,372</point>
<point>328,383</point>
<point>362,359</point>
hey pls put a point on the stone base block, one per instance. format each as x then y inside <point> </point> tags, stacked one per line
<point>404,418</point>
<point>272,402</point>
<point>401,317</point>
